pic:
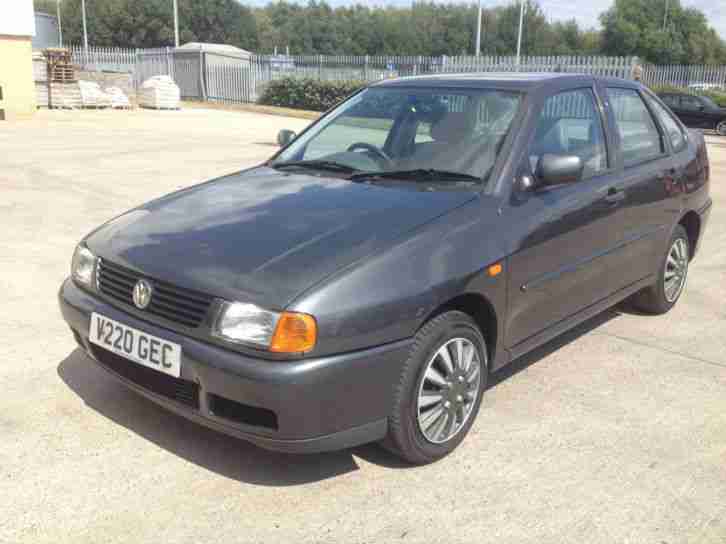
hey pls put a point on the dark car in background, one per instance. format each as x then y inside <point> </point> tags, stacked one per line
<point>697,111</point>
<point>363,283</point>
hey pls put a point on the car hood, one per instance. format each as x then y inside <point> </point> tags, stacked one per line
<point>262,235</point>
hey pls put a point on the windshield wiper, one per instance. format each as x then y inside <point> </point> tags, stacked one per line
<point>319,164</point>
<point>417,174</point>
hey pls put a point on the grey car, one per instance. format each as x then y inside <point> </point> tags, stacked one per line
<point>364,283</point>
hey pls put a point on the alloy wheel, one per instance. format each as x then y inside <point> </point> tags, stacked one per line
<point>449,390</point>
<point>721,128</point>
<point>676,270</point>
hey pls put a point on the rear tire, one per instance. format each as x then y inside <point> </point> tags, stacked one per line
<point>440,389</point>
<point>660,297</point>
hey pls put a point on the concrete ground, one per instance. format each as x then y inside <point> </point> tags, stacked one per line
<point>615,432</point>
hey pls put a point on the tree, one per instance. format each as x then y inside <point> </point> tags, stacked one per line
<point>150,23</point>
<point>635,27</point>
<point>426,28</point>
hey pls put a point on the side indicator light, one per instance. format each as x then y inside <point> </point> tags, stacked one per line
<point>295,333</point>
<point>494,269</point>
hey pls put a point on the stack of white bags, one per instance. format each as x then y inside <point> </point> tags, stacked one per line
<point>159,92</point>
<point>93,97</point>
<point>118,98</point>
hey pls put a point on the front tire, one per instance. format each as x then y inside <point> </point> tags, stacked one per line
<point>440,390</point>
<point>660,297</point>
<point>721,128</point>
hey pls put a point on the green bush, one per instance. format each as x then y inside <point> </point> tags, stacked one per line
<point>307,94</point>
<point>717,96</point>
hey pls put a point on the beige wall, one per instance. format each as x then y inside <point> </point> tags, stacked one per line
<point>16,77</point>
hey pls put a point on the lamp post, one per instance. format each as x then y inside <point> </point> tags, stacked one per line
<point>519,36</point>
<point>176,24</point>
<point>477,49</point>
<point>60,24</point>
<point>85,33</point>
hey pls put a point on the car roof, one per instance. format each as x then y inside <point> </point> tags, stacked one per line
<point>523,81</point>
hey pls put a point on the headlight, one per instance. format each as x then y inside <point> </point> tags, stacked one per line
<point>83,266</point>
<point>285,332</point>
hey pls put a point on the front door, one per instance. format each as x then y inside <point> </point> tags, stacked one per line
<point>567,258</point>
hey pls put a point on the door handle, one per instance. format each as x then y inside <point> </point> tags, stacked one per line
<point>615,195</point>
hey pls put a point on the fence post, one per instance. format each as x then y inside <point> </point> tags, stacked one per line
<point>320,67</point>
<point>365,69</point>
<point>168,62</point>
<point>203,74</point>
<point>137,69</point>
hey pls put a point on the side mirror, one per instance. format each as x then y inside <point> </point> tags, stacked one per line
<point>285,136</point>
<point>557,169</point>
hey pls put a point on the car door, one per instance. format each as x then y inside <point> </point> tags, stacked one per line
<point>649,179</point>
<point>564,260</point>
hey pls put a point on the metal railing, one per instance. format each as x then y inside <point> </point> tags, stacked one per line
<point>695,76</point>
<point>206,75</point>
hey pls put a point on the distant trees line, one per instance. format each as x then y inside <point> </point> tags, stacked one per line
<point>629,27</point>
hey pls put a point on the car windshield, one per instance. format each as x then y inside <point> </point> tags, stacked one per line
<point>451,135</point>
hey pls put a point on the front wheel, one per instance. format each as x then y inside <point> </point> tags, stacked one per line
<point>665,292</point>
<point>721,128</point>
<point>440,390</point>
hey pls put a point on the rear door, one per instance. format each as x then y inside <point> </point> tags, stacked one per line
<point>565,259</point>
<point>649,179</point>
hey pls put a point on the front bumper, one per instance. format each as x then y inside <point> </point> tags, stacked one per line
<point>306,406</point>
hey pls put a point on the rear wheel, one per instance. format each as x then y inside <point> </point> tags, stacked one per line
<point>439,394</point>
<point>673,271</point>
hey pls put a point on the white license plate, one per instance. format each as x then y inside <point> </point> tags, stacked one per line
<point>137,346</point>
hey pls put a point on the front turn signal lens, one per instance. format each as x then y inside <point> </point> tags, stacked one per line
<point>295,333</point>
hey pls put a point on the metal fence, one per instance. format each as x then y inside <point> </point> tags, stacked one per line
<point>206,75</point>
<point>697,77</point>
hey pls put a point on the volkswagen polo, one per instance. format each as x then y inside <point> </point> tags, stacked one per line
<point>363,283</point>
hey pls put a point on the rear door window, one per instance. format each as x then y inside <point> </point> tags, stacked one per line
<point>640,139</point>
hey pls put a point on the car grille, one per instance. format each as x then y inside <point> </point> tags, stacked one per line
<point>182,391</point>
<point>176,304</point>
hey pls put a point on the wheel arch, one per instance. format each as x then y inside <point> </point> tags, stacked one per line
<point>481,310</point>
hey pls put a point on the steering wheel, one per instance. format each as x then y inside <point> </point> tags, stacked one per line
<point>370,147</point>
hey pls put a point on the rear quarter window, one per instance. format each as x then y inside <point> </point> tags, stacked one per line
<point>669,124</point>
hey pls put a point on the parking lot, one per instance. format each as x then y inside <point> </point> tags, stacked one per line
<point>615,432</point>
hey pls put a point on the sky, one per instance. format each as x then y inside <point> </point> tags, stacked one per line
<point>587,12</point>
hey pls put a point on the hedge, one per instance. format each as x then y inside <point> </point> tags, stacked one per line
<point>321,95</point>
<point>307,94</point>
<point>717,96</point>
